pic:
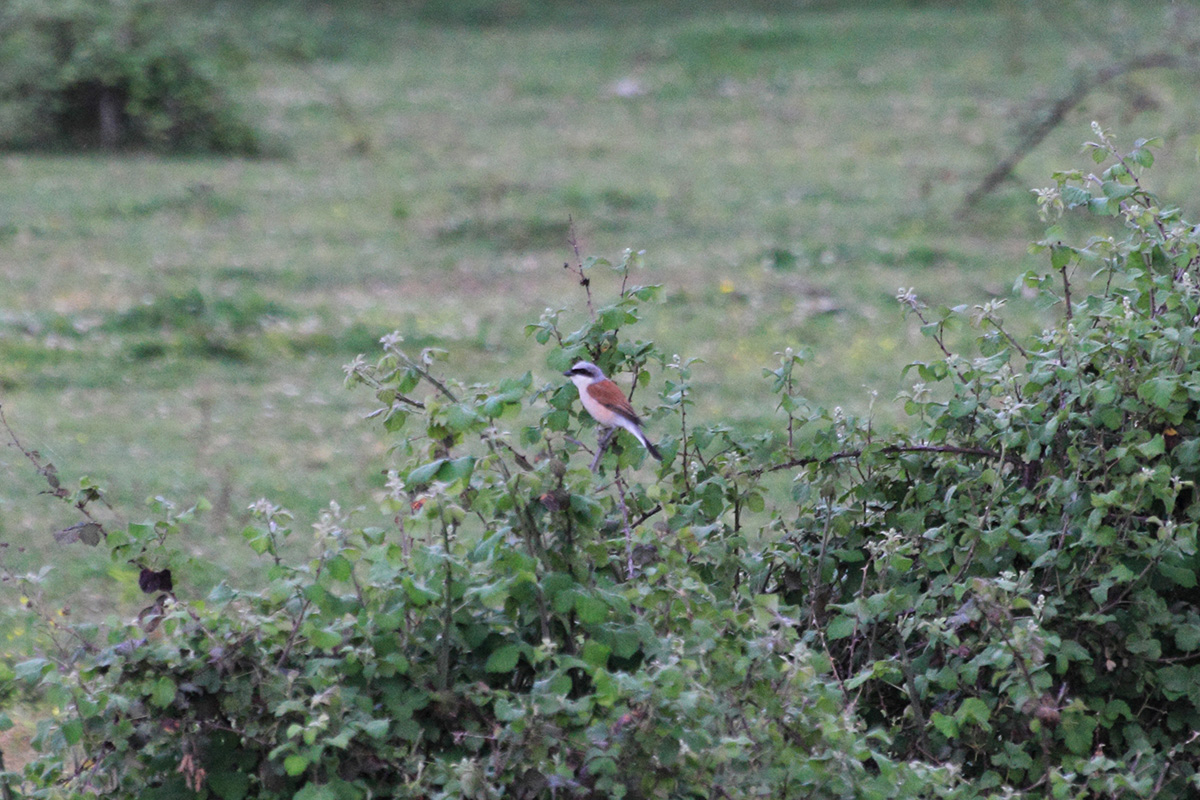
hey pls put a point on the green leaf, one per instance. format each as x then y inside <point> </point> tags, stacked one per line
<point>503,659</point>
<point>945,724</point>
<point>87,532</point>
<point>460,418</point>
<point>376,728</point>
<point>591,610</point>
<point>1115,190</point>
<point>32,670</point>
<point>554,583</point>
<point>1110,417</point>
<point>494,595</point>
<point>316,791</point>
<point>973,711</point>
<point>1187,637</point>
<point>295,764</point>
<point>1181,575</point>
<point>456,469</point>
<point>1178,681</point>
<point>626,643</point>
<point>162,693</point>
<point>1060,256</point>
<point>425,473</point>
<point>840,628</point>
<point>1142,157</point>
<point>339,567</point>
<point>508,711</point>
<point>395,420</point>
<point>1158,392</point>
<point>1077,727</point>
<point>606,689</point>
<point>596,654</point>
<point>1155,447</point>
<point>229,785</point>
<point>1074,196</point>
<point>258,540</point>
<point>324,638</point>
<point>418,594</point>
<point>72,731</point>
<point>511,393</point>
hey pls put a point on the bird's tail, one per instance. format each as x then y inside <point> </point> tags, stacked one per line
<point>636,430</point>
<point>650,448</point>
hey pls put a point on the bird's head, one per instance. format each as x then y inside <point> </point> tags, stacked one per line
<point>584,373</point>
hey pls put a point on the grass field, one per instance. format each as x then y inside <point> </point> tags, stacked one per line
<point>176,326</point>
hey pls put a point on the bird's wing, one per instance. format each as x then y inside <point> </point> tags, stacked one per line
<point>609,395</point>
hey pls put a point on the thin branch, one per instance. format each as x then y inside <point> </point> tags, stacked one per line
<point>1059,110</point>
<point>646,515</point>
<point>629,567</point>
<point>1067,291</point>
<point>48,472</point>
<point>890,451</point>
<point>1009,337</point>
<point>443,654</point>
<point>286,652</point>
<point>424,373</point>
<point>603,443</point>
<point>584,280</point>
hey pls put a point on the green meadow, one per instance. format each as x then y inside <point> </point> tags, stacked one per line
<point>176,327</point>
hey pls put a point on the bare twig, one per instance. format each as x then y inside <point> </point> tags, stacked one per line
<point>629,567</point>
<point>1060,108</point>
<point>584,280</point>
<point>605,438</point>
<point>1066,291</point>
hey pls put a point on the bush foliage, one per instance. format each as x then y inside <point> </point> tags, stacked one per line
<point>117,73</point>
<point>1000,600</point>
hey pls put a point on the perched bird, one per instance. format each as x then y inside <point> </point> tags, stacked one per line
<point>607,404</point>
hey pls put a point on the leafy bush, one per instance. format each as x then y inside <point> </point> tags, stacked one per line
<point>143,73</point>
<point>1001,600</point>
<point>1011,587</point>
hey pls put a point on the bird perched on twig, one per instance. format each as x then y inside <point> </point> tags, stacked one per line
<point>607,404</point>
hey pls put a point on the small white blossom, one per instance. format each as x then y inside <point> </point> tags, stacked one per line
<point>395,486</point>
<point>263,507</point>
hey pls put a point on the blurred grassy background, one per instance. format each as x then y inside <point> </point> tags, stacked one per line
<point>176,326</point>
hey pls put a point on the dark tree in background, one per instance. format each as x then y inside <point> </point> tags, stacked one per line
<point>118,73</point>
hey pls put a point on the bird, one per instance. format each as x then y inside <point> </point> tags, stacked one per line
<point>607,404</point>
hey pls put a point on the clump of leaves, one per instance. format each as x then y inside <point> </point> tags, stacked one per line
<point>117,73</point>
<point>1001,600</point>
<point>1011,587</point>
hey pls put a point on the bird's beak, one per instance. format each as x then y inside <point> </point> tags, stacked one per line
<point>567,373</point>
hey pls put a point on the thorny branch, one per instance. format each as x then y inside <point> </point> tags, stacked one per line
<point>47,471</point>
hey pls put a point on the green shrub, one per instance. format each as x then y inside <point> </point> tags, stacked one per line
<point>1011,586</point>
<point>1000,601</point>
<point>117,73</point>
